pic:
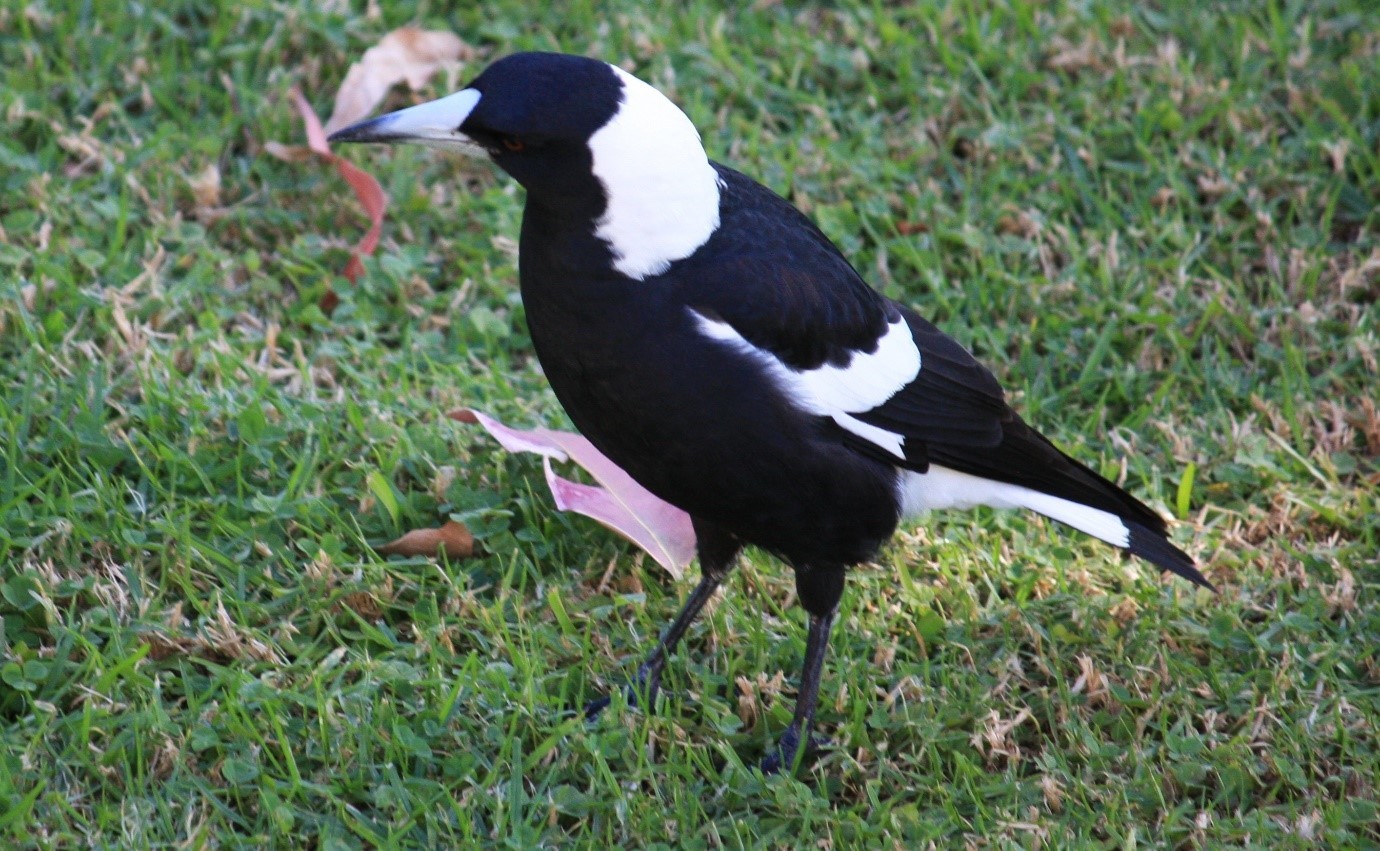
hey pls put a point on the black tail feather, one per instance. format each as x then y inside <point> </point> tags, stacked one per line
<point>1155,548</point>
<point>1027,458</point>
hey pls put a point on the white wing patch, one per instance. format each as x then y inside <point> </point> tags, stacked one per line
<point>869,380</point>
<point>942,487</point>
<point>663,195</point>
<point>839,392</point>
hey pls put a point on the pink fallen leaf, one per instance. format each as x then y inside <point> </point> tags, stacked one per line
<point>367,189</point>
<point>294,154</point>
<point>620,503</point>
<point>407,53</point>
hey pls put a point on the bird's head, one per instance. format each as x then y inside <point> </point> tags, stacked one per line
<point>588,141</point>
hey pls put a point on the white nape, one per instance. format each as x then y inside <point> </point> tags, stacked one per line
<point>663,195</point>
<point>838,392</point>
<point>941,488</point>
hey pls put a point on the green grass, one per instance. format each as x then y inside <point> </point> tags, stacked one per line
<point>1156,222</point>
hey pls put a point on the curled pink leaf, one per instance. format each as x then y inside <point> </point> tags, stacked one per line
<point>619,502</point>
<point>366,188</point>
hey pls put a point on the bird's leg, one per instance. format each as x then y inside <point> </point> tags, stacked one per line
<point>797,739</point>
<point>819,590</point>
<point>647,682</point>
<point>717,550</point>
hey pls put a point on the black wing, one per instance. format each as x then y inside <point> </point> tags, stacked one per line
<point>817,310</point>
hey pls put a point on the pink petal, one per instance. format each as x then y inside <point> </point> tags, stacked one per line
<point>520,440</point>
<point>621,504</point>
<point>658,527</point>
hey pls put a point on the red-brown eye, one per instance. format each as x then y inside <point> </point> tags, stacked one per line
<point>513,143</point>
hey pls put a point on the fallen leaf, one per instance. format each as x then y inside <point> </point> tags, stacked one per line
<point>1213,186</point>
<point>1336,154</point>
<point>367,190</point>
<point>206,187</point>
<point>1065,56</point>
<point>451,538</point>
<point>620,503</point>
<point>407,53</point>
<point>1018,223</point>
<point>289,153</point>
<point>328,302</point>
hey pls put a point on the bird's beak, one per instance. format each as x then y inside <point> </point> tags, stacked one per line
<point>436,123</point>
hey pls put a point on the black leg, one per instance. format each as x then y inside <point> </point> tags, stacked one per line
<point>717,549</point>
<point>797,738</point>
<point>819,589</point>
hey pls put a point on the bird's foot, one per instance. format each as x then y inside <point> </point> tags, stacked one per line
<point>642,692</point>
<point>596,707</point>
<point>789,748</point>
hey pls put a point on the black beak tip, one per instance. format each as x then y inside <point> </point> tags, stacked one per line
<point>360,131</point>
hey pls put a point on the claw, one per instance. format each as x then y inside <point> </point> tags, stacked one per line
<point>789,748</point>
<point>596,707</point>
<point>643,686</point>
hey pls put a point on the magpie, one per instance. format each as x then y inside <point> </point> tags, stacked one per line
<point>708,338</point>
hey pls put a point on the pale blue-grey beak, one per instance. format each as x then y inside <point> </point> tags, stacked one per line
<point>436,123</point>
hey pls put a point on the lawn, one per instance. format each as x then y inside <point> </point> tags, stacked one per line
<point>1156,222</point>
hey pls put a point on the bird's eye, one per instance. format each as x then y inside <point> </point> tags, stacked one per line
<point>513,143</point>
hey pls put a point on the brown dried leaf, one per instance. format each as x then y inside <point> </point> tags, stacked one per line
<point>452,538</point>
<point>1094,682</point>
<point>1018,223</point>
<point>1053,791</point>
<point>288,153</point>
<point>1341,597</point>
<point>1213,186</point>
<point>1071,58</point>
<point>1336,154</point>
<point>363,603</point>
<point>205,187</point>
<point>220,638</point>
<point>407,53</point>
<point>994,739</point>
<point>1126,611</point>
<point>754,696</point>
<point>1367,421</point>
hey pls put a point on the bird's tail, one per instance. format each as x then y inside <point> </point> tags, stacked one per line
<point>1040,477</point>
<point>1155,548</point>
<point>1150,543</point>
